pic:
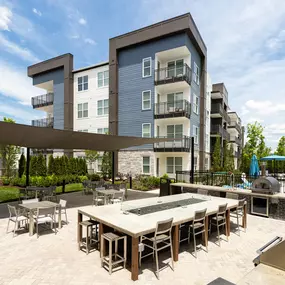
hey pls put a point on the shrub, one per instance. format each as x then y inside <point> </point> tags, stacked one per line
<point>94,177</point>
<point>22,165</point>
<point>5,181</point>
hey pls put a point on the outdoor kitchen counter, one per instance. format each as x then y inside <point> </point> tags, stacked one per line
<point>227,190</point>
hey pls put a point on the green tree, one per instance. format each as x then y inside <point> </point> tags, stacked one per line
<point>216,159</point>
<point>226,156</point>
<point>255,145</point>
<point>51,165</point>
<point>33,165</point>
<point>91,156</point>
<point>106,167</point>
<point>22,165</point>
<point>9,154</point>
<point>280,150</point>
<point>231,158</point>
<point>41,166</point>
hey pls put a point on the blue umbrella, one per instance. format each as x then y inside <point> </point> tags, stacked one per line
<point>254,167</point>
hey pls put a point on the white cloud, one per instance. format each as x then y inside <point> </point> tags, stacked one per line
<point>82,21</point>
<point>16,84</point>
<point>37,12</point>
<point>89,41</point>
<point>5,18</point>
<point>17,50</point>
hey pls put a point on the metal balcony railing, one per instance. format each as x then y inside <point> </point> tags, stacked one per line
<point>178,144</point>
<point>173,74</point>
<point>226,116</point>
<point>219,130</point>
<point>217,108</point>
<point>233,124</point>
<point>179,108</point>
<point>225,134</point>
<point>46,122</point>
<point>235,140</point>
<point>42,100</point>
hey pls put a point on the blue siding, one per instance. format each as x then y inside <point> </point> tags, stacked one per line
<point>131,84</point>
<point>57,77</point>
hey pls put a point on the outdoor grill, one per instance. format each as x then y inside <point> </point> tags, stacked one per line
<point>272,254</point>
<point>265,185</point>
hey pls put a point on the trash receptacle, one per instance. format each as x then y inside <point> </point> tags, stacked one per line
<point>165,186</point>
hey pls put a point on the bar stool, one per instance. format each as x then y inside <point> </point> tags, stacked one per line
<point>238,212</point>
<point>90,240</point>
<point>113,258</point>
<point>220,220</point>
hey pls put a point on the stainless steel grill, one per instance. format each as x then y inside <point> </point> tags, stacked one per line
<point>272,254</point>
<point>265,185</point>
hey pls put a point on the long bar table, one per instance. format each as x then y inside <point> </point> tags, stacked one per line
<point>114,216</point>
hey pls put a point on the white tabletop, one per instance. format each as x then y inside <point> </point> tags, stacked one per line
<point>134,225</point>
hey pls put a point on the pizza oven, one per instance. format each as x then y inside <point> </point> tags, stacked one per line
<point>265,185</point>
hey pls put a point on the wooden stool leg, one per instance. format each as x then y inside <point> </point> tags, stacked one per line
<point>87,240</point>
<point>101,251</point>
<point>125,251</point>
<point>110,257</point>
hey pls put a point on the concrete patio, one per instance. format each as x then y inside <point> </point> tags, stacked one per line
<point>55,259</point>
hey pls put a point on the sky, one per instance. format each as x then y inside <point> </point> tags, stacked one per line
<point>245,42</point>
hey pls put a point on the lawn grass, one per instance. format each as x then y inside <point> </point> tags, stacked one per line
<point>8,193</point>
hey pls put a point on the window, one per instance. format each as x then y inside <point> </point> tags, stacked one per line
<point>103,78</point>
<point>196,73</point>
<point>146,100</point>
<point>102,131</point>
<point>99,163</point>
<point>175,68</point>
<point>146,67</point>
<point>82,83</point>
<point>146,130</point>
<point>196,104</point>
<point>82,110</point>
<point>196,134</point>
<point>173,164</point>
<point>103,107</point>
<point>175,131</point>
<point>146,164</point>
<point>83,131</point>
<point>175,101</point>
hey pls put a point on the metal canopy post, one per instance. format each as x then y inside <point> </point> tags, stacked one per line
<point>28,167</point>
<point>192,161</point>
<point>113,167</point>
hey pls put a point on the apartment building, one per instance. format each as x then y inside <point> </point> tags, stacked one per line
<point>224,123</point>
<point>154,85</point>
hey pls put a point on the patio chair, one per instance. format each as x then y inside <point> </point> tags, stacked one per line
<point>198,226</point>
<point>86,187</point>
<point>238,212</point>
<point>161,240</point>
<point>219,220</point>
<point>50,194</point>
<point>44,216</point>
<point>62,208</point>
<point>118,197</point>
<point>202,191</point>
<point>16,216</point>
<point>23,194</point>
<point>97,197</point>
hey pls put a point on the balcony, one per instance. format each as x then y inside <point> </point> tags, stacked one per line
<point>173,74</point>
<point>234,125</point>
<point>45,123</point>
<point>217,109</point>
<point>235,140</point>
<point>177,145</point>
<point>42,100</point>
<point>218,130</point>
<point>181,108</point>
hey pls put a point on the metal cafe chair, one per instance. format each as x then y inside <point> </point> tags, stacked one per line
<point>161,240</point>
<point>17,217</point>
<point>45,215</point>
<point>238,212</point>
<point>198,226</point>
<point>219,220</point>
<point>97,197</point>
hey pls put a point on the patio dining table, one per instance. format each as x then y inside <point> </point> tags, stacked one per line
<point>124,219</point>
<point>31,207</point>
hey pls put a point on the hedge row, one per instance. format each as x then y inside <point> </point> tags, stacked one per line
<point>44,181</point>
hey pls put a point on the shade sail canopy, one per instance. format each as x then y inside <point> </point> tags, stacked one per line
<point>48,138</point>
<point>273,157</point>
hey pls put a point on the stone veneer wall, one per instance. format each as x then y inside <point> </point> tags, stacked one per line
<point>132,161</point>
<point>276,210</point>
